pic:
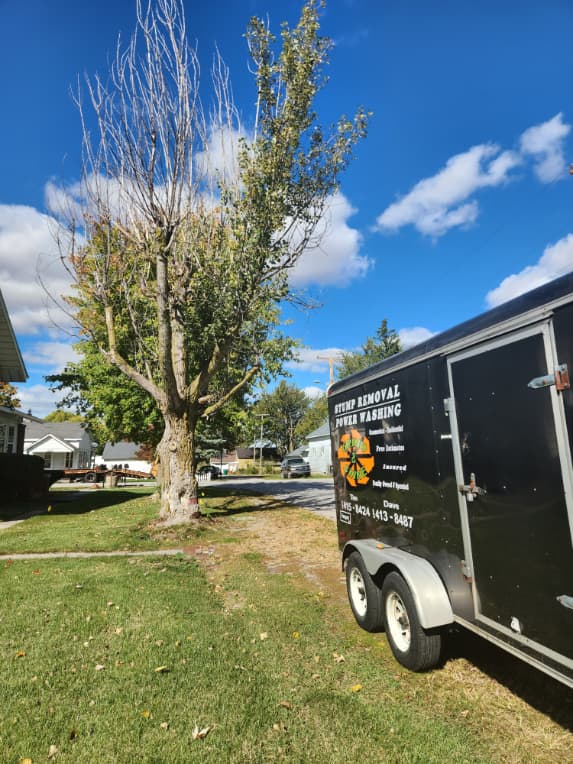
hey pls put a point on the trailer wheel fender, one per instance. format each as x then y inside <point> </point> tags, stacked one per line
<point>428,591</point>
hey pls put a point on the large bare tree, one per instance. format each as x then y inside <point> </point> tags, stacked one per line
<point>186,223</point>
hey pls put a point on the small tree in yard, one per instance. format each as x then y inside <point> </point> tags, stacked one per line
<point>185,226</point>
<point>282,410</point>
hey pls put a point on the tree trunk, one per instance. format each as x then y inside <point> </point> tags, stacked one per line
<point>179,495</point>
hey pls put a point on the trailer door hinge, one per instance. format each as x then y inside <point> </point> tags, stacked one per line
<point>466,572</point>
<point>560,378</point>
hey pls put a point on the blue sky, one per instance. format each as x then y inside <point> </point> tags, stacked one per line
<point>459,197</point>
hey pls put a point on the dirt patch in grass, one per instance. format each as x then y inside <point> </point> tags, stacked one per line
<point>524,715</point>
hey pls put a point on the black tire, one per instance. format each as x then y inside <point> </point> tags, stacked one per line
<point>412,646</point>
<point>364,595</point>
<point>91,477</point>
<point>285,475</point>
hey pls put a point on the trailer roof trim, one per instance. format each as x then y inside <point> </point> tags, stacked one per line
<point>526,309</point>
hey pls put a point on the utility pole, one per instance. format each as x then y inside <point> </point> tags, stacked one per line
<point>330,360</point>
<point>261,444</point>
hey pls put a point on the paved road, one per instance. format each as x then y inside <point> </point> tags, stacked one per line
<point>314,494</point>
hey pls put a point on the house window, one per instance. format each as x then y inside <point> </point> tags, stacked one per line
<point>69,460</point>
<point>47,461</point>
<point>7,438</point>
<point>11,439</point>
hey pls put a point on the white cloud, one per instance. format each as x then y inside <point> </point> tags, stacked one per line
<point>313,360</point>
<point>545,143</point>
<point>313,392</point>
<point>38,399</point>
<point>28,252</point>
<point>557,260</point>
<point>220,159</point>
<point>52,357</point>
<point>336,261</point>
<point>414,335</point>
<point>439,203</point>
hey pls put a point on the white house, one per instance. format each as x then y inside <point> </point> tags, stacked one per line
<point>319,453</point>
<point>62,445</point>
<point>123,454</point>
<point>12,369</point>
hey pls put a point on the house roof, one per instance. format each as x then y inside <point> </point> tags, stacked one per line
<point>122,450</point>
<point>12,367</point>
<point>24,414</point>
<point>320,433</point>
<point>49,444</point>
<point>60,430</point>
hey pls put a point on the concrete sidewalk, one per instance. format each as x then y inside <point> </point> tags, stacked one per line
<point>63,555</point>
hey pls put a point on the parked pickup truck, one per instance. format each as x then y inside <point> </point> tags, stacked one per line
<point>294,466</point>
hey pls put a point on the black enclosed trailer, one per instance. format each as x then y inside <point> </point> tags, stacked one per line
<point>454,485</point>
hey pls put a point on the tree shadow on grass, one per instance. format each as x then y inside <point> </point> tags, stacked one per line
<point>70,502</point>
<point>229,507</point>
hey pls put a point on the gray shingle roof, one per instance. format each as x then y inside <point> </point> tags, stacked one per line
<point>321,432</point>
<point>122,451</point>
<point>61,430</point>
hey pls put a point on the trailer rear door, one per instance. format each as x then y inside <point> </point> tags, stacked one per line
<point>510,442</point>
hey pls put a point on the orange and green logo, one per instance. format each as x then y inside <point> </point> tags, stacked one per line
<point>354,457</point>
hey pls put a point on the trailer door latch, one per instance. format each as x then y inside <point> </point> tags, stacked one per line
<point>560,378</point>
<point>566,601</point>
<point>472,490</point>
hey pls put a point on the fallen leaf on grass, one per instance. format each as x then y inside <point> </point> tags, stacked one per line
<point>99,667</point>
<point>162,670</point>
<point>295,635</point>
<point>53,752</point>
<point>285,704</point>
<point>36,572</point>
<point>146,714</point>
<point>118,631</point>
<point>164,725</point>
<point>356,688</point>
<point>264,635</point>
<point>199,734</point>
<point>20,653</point>
<point>338,658</point>
<point>25,761</point>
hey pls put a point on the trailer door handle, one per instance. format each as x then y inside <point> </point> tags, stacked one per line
<point>472,490</point>
<point>560,378</point>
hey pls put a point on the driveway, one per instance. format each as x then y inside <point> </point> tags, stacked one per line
<point>314,494</point>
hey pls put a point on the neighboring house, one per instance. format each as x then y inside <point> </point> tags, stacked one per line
<point>62,445</point>
<point>21,477</point>
<point>12,369</point>
<point>319,451</point>
<point>124,454</point>
<point>250,456</point>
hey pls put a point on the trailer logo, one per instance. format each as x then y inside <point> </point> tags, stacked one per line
<point>355,459</point>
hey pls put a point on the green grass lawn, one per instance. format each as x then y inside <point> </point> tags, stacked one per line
<point>112,660</point>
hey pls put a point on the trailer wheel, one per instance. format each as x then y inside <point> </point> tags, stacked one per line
<point>412,646</point>
<point>365,597</point>
<point>91,477</point>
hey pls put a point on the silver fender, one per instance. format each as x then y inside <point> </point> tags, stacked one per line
<point>429,593</point>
